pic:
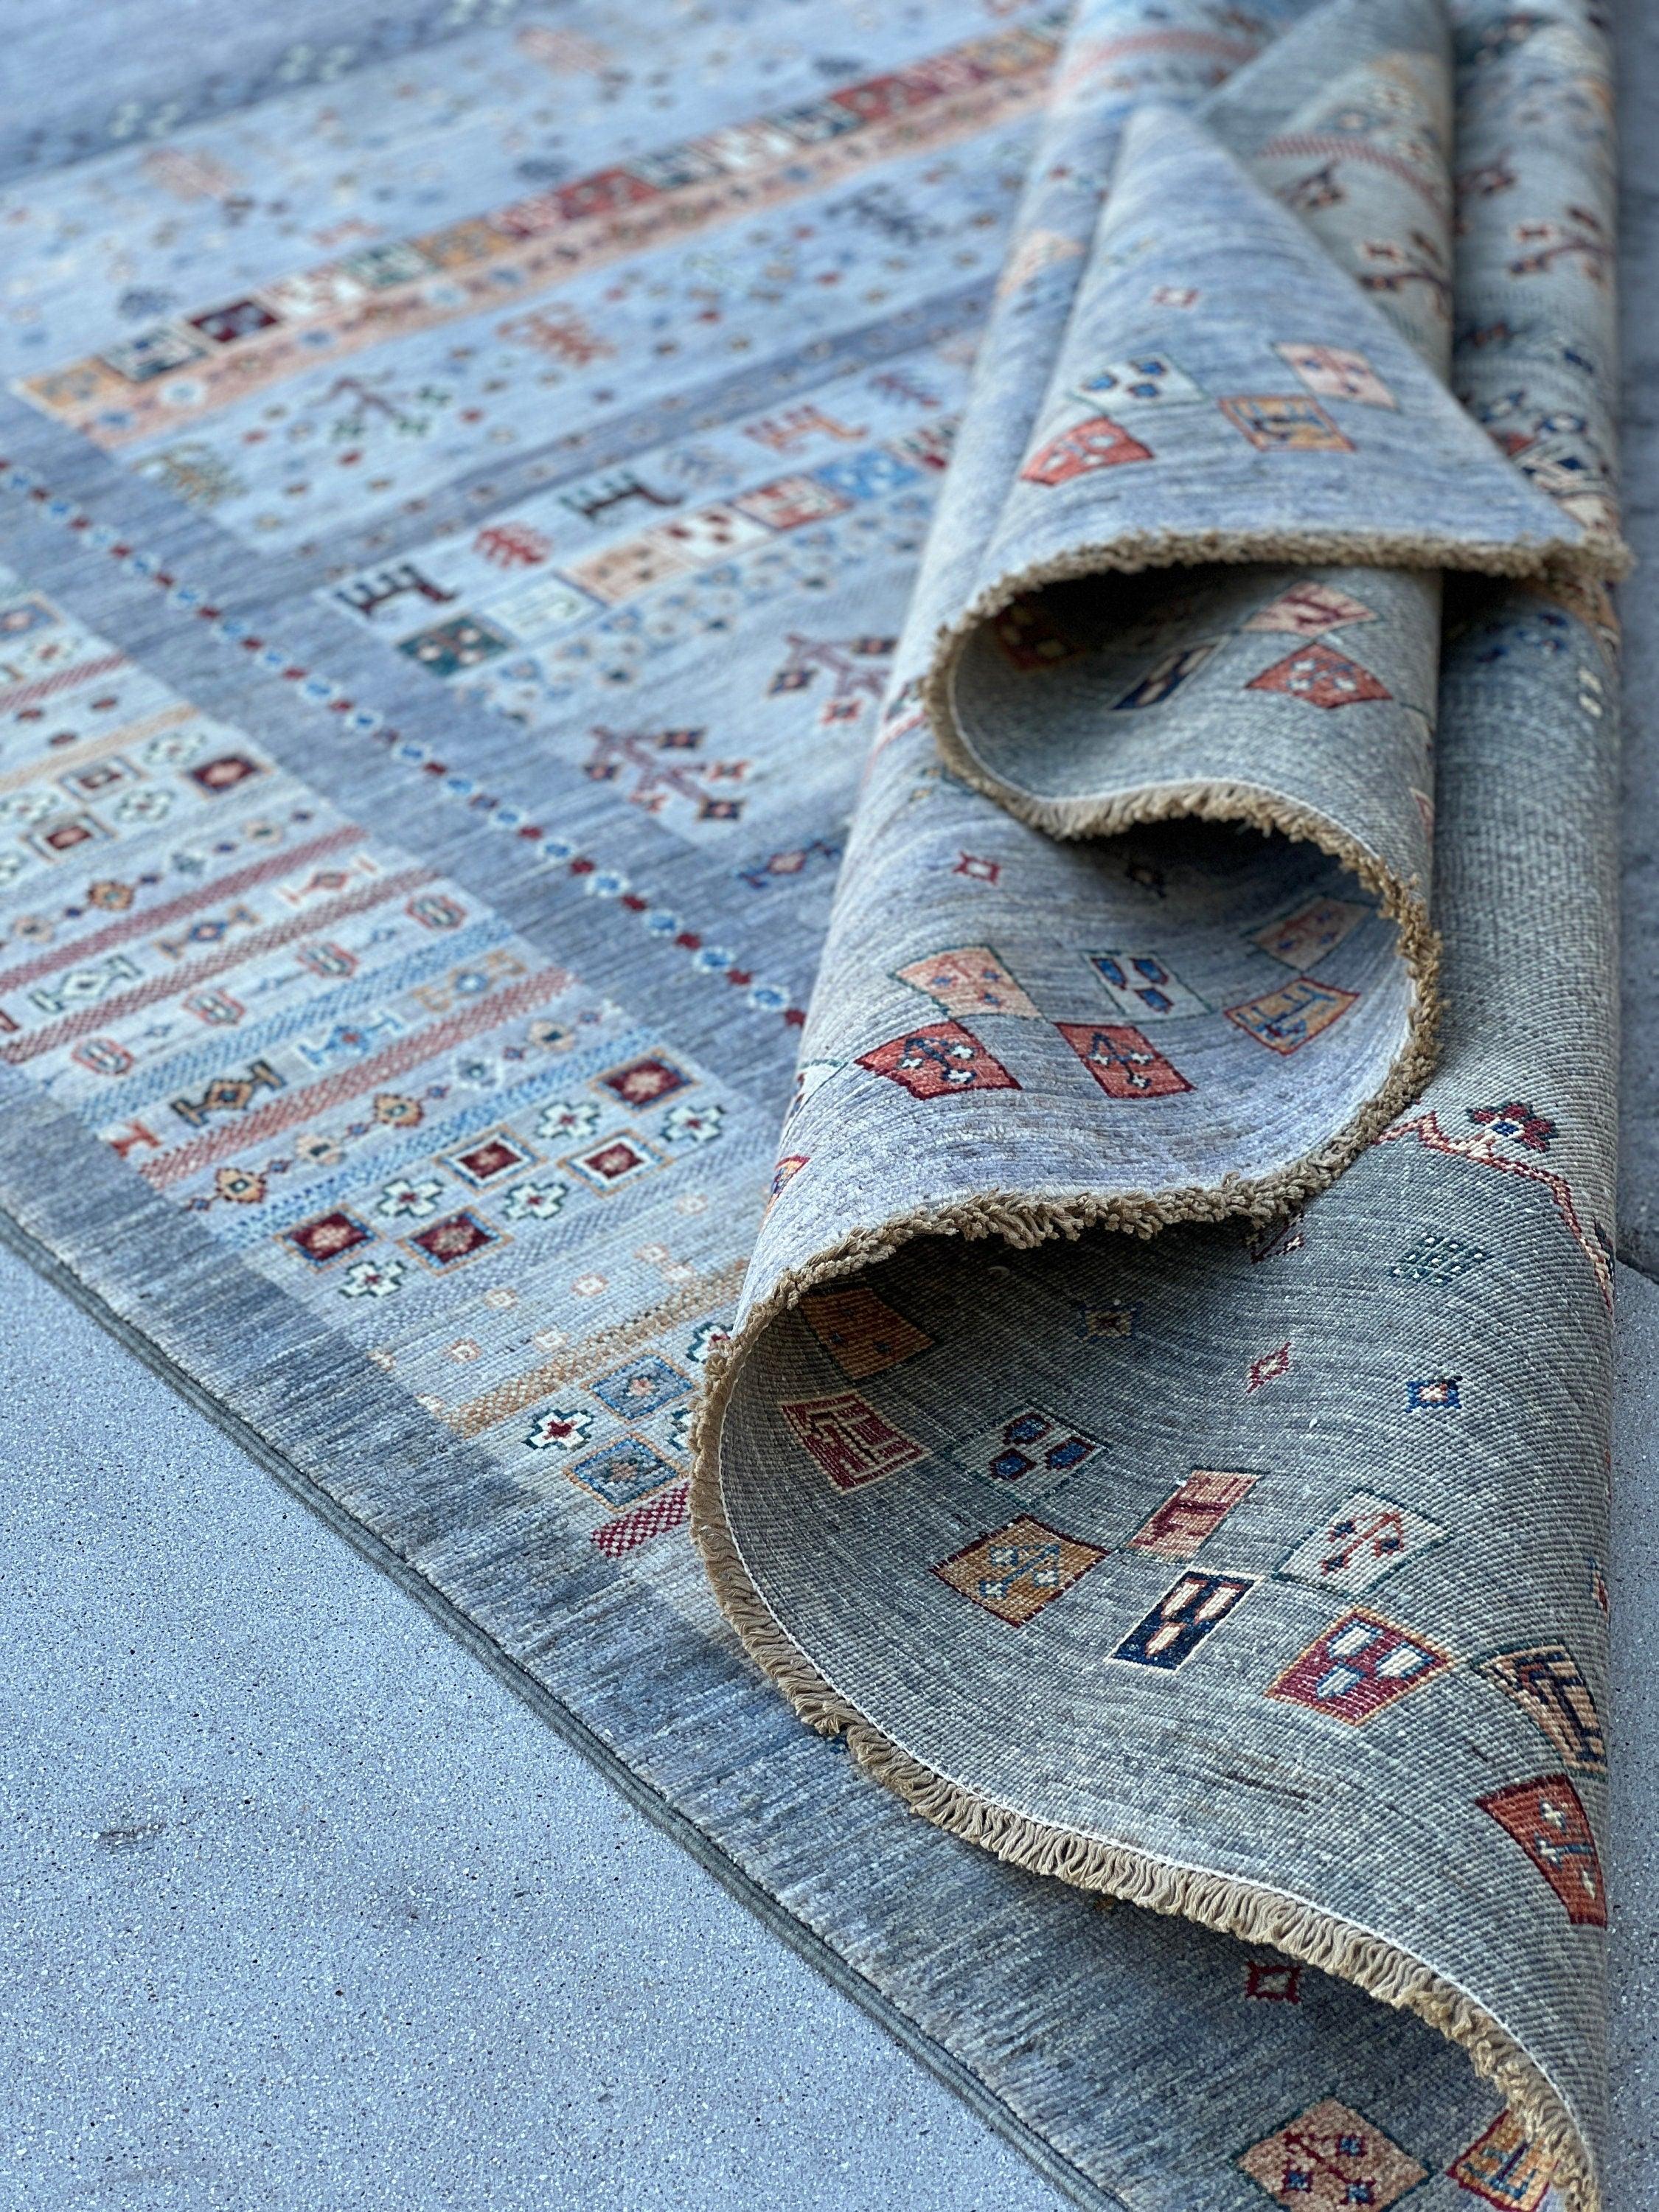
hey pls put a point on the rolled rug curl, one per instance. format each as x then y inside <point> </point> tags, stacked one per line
<point>1165,1426</point>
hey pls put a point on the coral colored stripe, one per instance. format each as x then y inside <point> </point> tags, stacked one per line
<point>270,1119</point>
<point>221,887</point>
<point>62,679</point>
<point>110,1010</point>
<point>948,114</point>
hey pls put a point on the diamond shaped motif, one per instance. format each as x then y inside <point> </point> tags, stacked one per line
<point>620,1159</point>
<point>453,1241</point>
<point>623,1471</point>
<point>327,1236</point>
<point>642,1082</point>
<point>488,1158</point>
<point>1435,1258</point>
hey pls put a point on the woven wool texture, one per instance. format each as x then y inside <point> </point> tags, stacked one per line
<point>1045,583</point>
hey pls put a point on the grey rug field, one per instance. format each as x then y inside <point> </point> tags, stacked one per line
<point>496,1880</point>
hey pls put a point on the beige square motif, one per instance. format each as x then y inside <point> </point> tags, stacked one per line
<point>1016,1570</point>
<point>1334,373</point>
<point>1329,2158</point>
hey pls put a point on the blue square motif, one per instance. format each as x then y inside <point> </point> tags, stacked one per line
<point>623,1471</point>
<point>641,1388</point>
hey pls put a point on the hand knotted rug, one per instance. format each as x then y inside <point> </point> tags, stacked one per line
<point>500,683</point>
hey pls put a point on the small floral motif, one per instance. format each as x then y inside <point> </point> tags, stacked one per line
<point>535,1201</point>
<point>560,1429</point>
<point>1522,1124</point>
<point>372,1278</point>
<point>705,1340</point>
<point>403,1200</point>
<point>687,1124</point>
<point>568,1119</point>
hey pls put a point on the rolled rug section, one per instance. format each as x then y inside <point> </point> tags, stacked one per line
<point>1165,1426</point>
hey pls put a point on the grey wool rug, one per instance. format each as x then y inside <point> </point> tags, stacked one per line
<point>1030,605</point>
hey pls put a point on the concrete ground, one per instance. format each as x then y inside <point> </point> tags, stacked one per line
<point>303,1908</point>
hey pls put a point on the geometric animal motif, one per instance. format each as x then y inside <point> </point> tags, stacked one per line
<point>1320,676</point>
<point>1546,1818</point>
<point>1099,443</point>
<point>1122,1061</point>
<point>1335,374</point>
<point>1503,2168</point>
<point>1166,674</point>
<point>1329,2158</point>
<point>1548,1684</point>
<point>1367,1537</point>
<point>1153,380</point>
<point>938,1060</point>
<point>1285,422</point>
<point>860,1332</point>
<point>1356,1666</point>
<point>970,980</point>
<point>1307,609</point>
<point>1189,1611</point>
<point>1140,983</point>
<point>1191,1515</point>
<point>1016,1570</point>
<point>849,1439</point>
<point>1283,1020</point>
<point>1302,938</point>
<point>1027,1452</point>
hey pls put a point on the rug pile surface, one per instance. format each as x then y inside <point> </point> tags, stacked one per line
<point>1027,602</point>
